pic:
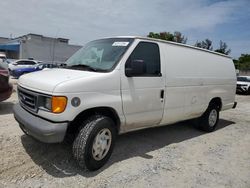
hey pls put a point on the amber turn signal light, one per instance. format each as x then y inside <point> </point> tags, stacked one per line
<point>58,104</point>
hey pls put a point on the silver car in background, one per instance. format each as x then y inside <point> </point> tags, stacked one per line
<point>22,63</point>
<point>243,84</point>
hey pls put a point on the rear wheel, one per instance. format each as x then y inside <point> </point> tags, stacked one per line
<point>209,120</point>
<point>94,144</point>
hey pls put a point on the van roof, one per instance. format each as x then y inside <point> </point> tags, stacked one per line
<point>173,43</point>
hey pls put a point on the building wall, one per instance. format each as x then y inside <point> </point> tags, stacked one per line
<point>12,55</point>
<point>9,54</point>
<point>3,40</point>
<point>46,49</point>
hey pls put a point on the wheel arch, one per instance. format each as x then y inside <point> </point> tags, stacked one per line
<point>216,101</point>
<point>74,126</point>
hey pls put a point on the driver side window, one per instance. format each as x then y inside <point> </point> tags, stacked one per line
<point>148,53</point>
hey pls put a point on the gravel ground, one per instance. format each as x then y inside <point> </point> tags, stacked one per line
<point>172,156</point>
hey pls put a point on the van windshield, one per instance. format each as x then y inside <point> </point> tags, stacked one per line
<point>99,55</point>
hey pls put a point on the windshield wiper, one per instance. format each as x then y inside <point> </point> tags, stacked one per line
<point>83,67</point>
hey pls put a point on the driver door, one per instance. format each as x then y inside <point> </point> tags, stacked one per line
<point>143,95</point>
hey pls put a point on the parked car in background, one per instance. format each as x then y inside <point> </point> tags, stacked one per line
<point>46,66</point>
<point>40,66</point>
<point>5,86</point>
<point>243,84</point>
<point>22,63</point>
<point>10,60</point>
<point>3,56</point>
<point>5,59</point>
<point>3,63</point>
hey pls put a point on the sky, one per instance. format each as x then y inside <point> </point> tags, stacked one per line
<point>83,21</point>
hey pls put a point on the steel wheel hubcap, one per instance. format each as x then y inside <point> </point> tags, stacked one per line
<point>101,144</point>
<point>212,118</point>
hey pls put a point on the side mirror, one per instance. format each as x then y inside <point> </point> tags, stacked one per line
<point>135,68</point>
<point>15,64</point>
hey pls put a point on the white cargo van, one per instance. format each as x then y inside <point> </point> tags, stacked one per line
<point>115,85</point>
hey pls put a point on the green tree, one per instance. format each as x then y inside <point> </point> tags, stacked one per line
<point>178,37</point>
<point>205,44</point>
<point>175,37</point>
<point>162,35</point>
<point>153,35</point>
<point>223,48</point>
<point>243,62</point>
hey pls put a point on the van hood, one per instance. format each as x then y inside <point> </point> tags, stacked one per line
<point>47,80</point>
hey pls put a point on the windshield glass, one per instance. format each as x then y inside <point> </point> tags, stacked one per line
<point>99,55</point>
<point>243,79</point>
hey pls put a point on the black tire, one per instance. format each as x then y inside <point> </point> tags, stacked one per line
<point>203,122</point>
<point>83,143</point>
<point>69,139</point>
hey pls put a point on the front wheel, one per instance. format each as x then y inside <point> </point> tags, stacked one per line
<point>94,144</point>
<point>209,120</point>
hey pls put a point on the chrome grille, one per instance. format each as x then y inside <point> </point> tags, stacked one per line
<point>28,99</point>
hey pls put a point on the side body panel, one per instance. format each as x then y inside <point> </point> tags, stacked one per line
<point>193,78</point>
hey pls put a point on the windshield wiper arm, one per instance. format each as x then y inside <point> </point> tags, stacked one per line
<point>82,67</point>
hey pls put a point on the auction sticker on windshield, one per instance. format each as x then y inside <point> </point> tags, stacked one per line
<point>120,43</point>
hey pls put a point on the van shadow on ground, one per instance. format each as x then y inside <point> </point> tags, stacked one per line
<point>57,159</point>
<point>6,108</point>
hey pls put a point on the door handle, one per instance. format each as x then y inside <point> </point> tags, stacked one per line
<point>162,95</point>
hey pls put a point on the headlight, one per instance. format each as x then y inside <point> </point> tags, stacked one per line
<point>45,103</point>
<point>55,104</point>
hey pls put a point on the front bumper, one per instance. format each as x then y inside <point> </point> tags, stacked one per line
<point>242,89</point>
<point>15,73</point>
<point>41,129</point>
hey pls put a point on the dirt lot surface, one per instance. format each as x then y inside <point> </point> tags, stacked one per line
<point>172,156</point>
